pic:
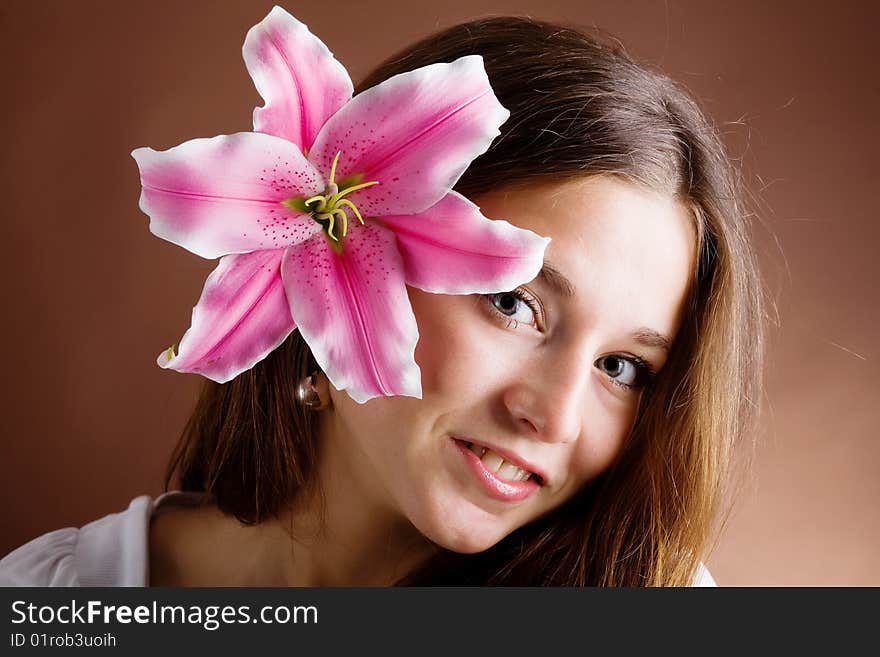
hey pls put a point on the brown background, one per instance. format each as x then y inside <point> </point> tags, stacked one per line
<point>90,297</point>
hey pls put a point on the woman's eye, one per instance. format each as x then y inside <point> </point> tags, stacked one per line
<point>625,372</point>
<point>516,306</point>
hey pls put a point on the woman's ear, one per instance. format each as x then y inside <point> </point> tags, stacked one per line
<point>313,392</point>
<point>323,388</point>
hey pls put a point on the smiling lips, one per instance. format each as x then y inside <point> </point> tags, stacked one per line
<point>500,478</point>
<point>497,465</point>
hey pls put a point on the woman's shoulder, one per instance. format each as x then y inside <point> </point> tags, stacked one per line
<point>111,551</point>
<point>703,576</point>
<point>48,560</point>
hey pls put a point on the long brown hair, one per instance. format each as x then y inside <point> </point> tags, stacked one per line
<point>579,107</point>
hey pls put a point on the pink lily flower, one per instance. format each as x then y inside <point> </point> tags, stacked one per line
<point>323,214</point>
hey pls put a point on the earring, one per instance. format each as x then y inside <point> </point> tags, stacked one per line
<point>308,393</point>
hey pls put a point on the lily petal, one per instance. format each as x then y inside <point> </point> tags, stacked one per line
<point>353,310</point>
<point>451,248</point>
<point>415,133</point>
<point>241,316</point>
<point>298,77</point>
<point>223,195</point>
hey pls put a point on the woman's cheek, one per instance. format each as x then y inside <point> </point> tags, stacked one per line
<point>603,437</point>
<point>455,344</point>
<point>477,367</point>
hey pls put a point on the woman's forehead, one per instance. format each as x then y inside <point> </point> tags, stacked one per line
<point>619,247</point>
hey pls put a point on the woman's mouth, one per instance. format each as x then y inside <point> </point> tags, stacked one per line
<point>501,479</point>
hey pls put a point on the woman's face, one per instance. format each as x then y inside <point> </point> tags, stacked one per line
<point>545,378</point>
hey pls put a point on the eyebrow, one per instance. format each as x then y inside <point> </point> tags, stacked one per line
<point>556,279</point>
<point>644,336</point>
<point>651,338</point>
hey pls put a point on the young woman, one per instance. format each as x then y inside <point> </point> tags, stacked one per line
<point>578,429</point>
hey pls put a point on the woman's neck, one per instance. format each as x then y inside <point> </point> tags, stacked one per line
<point>340,533</point>
<point>352,544</point>
<point>344,531</point>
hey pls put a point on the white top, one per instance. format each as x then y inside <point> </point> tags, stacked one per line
<point>112,551</point>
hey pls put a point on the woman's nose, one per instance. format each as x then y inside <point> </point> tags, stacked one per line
<point>549,403</point>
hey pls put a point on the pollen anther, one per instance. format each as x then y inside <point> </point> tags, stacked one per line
<point>327,207</point>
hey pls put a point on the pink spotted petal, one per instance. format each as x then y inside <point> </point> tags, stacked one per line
<point>353,311</point>
<point>223,195</point>
<point>451,248</point>
<point>241,316</point>
<point>415,133</point>
<point>298,77</point>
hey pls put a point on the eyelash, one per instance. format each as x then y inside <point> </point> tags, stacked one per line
<point>645,369</point>
<point>524,296</point>
<point>645,372</point>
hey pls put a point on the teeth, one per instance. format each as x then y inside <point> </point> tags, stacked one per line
<point>494,463</point>
<point>509,471</point>
<point>522,475</point>
<point>476,449</point>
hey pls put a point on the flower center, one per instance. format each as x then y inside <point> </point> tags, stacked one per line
<point>326,208</point>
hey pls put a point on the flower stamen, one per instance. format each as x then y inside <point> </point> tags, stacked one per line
<point>333,167</point>
<point>327,206</point>
<point>341,212</point>
<point>345,201</point>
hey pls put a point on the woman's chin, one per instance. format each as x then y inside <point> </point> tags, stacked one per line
<point>465,542</point>
<point>461,527</point>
